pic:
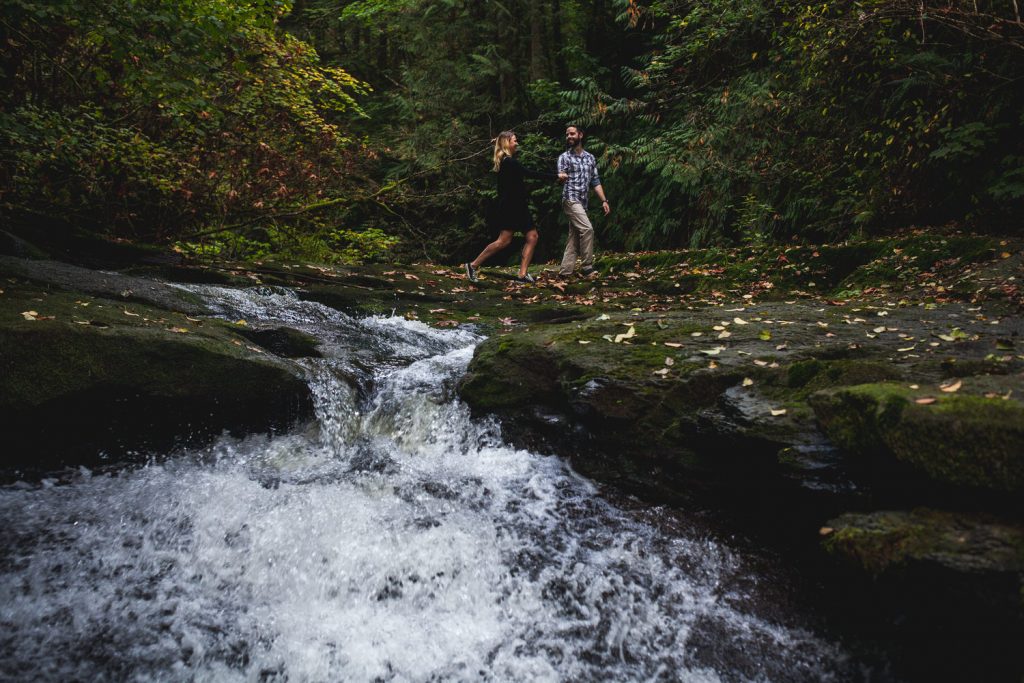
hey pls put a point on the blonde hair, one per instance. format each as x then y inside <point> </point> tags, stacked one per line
<point>502,145</point>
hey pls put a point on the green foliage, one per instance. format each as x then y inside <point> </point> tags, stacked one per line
<point>154,119</point>
<point>757,119</point>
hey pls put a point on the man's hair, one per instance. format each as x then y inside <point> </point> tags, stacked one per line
<point>578,129</point>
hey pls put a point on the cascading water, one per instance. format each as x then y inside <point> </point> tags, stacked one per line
<point>394,539</point>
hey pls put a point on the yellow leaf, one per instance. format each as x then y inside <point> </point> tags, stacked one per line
<point>626,335</point>
<point>179,330</point>
<point>29,315</point>
<point>747,381</point>
<point>780,411</point>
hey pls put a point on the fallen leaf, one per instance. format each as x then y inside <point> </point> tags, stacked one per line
<point>950,387</point>
<point>747,381</point>
<point>583,341</point>
<point>925,400</point>
<point>713,352</point>
<point>179,330</point>
<point>604,316</point>
<point>241,323</point>
<point>626,335</point>
<point>764,335</point>
<point>29,315</point>
<point>825,531</point>
<point>740,321</point>
<point>780,411</point>
<point>127,312</point>
<point>674,345</point>
<point>724,334</point>
<point>669,361</point>
<point>662,372</point>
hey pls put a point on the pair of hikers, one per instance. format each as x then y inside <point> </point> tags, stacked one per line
<point>577,171</point>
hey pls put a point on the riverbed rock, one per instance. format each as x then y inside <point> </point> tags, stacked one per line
<point>88,379</point>
<point>971,438</point>
<point>946,561</point>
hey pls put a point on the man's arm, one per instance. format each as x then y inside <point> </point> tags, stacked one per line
<point>595,182</point>
<point>604,201</point>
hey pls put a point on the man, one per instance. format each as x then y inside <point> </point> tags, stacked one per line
<point>581,167</point>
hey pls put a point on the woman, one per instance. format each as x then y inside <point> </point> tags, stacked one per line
<point>511,213</point>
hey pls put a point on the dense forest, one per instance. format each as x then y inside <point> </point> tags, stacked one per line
<point>340,130</point>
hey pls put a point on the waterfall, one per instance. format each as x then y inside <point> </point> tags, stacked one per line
<point>393,538</point>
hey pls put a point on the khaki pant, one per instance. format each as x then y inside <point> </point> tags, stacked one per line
<point>580,244</point>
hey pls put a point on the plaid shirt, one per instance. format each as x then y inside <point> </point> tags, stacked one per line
<point>582,170</point>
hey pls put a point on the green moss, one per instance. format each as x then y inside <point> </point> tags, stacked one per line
<point>962,440</point>
<point>882,542</point>
<point>799,374</point>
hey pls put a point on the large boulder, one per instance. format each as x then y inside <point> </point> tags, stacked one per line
<point>963,440</point>
<point>83,378</point>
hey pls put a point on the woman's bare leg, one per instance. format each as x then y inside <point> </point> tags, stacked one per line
<point>531,244</point>
<point>504,237</point>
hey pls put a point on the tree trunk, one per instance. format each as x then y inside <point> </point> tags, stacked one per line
<point>538,65</point>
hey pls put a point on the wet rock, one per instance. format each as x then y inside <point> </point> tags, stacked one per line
<point>957,439</point>
<point>285,342</point>
<point>88,380</point>
<point>115,286</point>
<point>937,561</point>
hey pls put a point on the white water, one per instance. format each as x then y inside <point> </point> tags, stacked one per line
<point>394,539</point>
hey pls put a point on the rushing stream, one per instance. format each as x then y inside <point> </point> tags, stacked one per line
<point>395,538</point>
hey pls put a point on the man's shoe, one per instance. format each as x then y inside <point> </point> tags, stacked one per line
<point>527,279</point>
<point>471,273</point>
<point>589,272</point>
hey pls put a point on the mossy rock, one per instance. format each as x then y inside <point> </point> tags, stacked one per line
<point>959,439</point>
<point>939,557</point>
<point>285,342</point>
<point>90,376</point>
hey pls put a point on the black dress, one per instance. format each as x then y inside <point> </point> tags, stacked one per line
<point>511,211</point>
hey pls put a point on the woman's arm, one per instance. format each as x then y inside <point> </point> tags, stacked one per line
<point>529,172</point>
